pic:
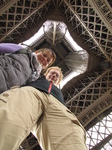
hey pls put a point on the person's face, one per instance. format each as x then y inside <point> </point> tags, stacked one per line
<point>53,76</point>
<point>45,58</point>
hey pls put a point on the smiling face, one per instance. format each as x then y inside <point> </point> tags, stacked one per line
<point>45,58</point>
<point>53,76</point>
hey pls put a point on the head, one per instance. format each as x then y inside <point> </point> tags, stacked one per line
<point>54,75</point>
<point>46,57</point>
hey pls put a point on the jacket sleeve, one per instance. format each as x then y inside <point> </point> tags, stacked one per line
<point>9,47</point>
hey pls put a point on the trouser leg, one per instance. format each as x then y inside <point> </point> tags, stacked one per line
<point>60,129</point>
<point>20,109</point>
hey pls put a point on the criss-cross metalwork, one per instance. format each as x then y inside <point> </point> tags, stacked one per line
<point>90,25</point>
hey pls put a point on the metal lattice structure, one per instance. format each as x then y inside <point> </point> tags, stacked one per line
<point>88,96</point>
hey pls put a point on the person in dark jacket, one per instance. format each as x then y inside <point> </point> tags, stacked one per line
<point>39,107</point>
<point>19,66</point>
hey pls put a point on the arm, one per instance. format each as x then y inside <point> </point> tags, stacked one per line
<point>9,47</point>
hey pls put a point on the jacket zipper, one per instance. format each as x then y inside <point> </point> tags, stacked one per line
<point>50,86</point>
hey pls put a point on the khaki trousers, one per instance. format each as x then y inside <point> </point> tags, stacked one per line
<point>26,109</point>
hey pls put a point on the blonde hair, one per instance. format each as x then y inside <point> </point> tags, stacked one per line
<point>47,49</point>
<point>57,68</point>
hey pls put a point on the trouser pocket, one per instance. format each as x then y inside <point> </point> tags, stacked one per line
<point>5,96</point>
